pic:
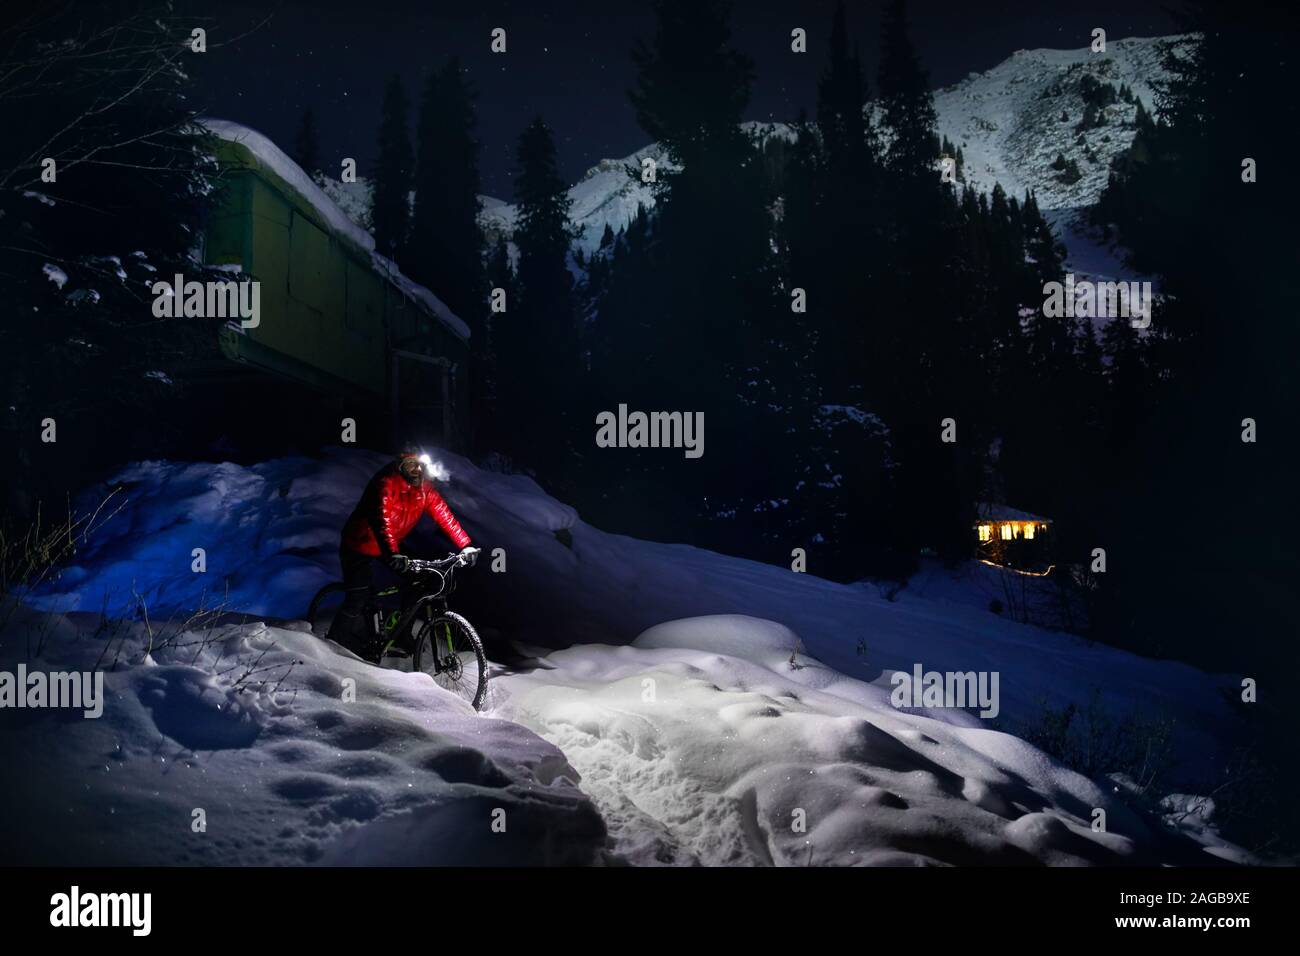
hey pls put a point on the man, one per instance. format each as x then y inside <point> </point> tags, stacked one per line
<point>392,504</point>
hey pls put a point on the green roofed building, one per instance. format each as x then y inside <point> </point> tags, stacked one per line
<point>335,315</point>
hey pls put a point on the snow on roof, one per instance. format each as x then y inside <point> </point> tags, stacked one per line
<point>279,163</point>
<point>275,159</point>
<point>994,511</point>
<point>413,290</point>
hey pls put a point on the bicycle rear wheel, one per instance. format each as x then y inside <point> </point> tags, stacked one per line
<point>323,607</point>
<point>449,650</point>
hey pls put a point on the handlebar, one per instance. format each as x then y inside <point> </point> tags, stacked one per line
<point>438,565</point>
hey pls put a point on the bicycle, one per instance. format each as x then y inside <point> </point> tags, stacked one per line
<point>438,641</point>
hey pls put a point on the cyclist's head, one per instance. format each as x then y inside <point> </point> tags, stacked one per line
<point>410,467</point>
<point>415,466</point>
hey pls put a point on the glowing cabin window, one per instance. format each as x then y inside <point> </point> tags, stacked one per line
<point>986,532</point>
<point>1006,532</point>
<point>1029,532</point>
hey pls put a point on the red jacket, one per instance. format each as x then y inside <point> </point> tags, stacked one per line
<point>389,508</point>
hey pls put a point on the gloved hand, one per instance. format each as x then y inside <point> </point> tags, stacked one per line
<point>468,555</point>
<point>398,562</point>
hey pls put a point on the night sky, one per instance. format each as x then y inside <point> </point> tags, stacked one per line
<point>568,60</point>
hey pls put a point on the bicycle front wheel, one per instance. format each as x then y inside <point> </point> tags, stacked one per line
<point>449,650</point>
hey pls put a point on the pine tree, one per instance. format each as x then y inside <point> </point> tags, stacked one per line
<point>543,232</point>
<point>830,248</point>
<point>691,113</point>
<point>905,98</point>
<point>693,327</point>
<point>930,373</point>
<point>306,144</point>
<point>845,244</point>
<point>1219,345</point>
<point>446,246</point>
<point>499,271</point>
<point>106,92</point>
<point>1128,380</point>
<point>711,223</point>
<point>390,207</point>
<point>1040,245</point>
<point>488,423</point>
<point>538,342</point>
<point>841,96</point>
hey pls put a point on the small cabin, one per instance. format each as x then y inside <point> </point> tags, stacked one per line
<point>996,522</point>
<point>1010,537</point>
<point>336,316</point>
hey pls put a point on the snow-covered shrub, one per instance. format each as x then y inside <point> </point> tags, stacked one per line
<point>1094,741</point>
<point>32,552</point>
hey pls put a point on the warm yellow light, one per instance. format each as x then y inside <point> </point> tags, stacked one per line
<point>1006,531</point>
<point>1029,531</point>
<point>986,532</point>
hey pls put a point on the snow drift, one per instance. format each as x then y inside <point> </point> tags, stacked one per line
<point>701,744</point>
<point>257,745</point>
<point>710,709</point>
<point>269,534</point>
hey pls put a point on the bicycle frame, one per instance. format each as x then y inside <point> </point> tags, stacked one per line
<point>422,625</point>
<point>429,605</point>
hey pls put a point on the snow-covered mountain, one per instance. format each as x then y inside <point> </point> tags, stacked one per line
<point>607,194</point>
<point>1011,123</point>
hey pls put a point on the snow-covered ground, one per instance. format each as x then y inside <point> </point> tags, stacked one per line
<point>1090,256</point>
<point>255,745</point>
<point>700,744</point>
<point>711,709</point>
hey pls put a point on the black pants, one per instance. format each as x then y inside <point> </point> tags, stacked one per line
<point>350,626</point>
<point>358,578</point>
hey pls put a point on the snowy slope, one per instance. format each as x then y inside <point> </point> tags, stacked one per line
<point>270,534</point>
<point>1013,120</point>
<point>701,745</point>
<point>608,193</point>
<point>250,725</point>
<point>728,706</point>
